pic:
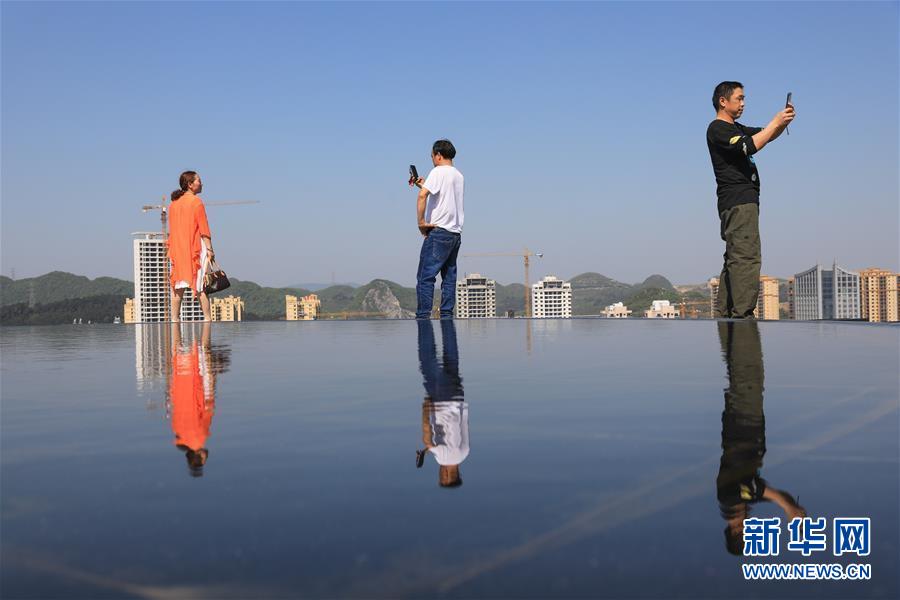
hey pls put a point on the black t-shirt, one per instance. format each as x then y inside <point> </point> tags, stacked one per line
<point>731,150</point>
<point>743,449</point>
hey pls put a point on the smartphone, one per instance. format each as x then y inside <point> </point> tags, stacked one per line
<point>413,174</point>
<point>786,104</point>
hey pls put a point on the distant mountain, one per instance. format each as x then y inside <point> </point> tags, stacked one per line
<point>378,298</point>
<point>700,290</point>
<point>96,309</point>
<point>656,281</point>
<point>591,293</point>
<point>262,302</point>
<point>510,297</point>
<point>643,298</point>
<point>387,298</point>
<point>57,286</point>
<point>315,287</point>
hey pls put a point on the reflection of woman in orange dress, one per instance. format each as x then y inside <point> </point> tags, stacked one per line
<point>190,243</point>
<point>192,394</point>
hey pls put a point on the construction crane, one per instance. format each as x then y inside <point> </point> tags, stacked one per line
<point>527,254</point>
<point>163,209</point>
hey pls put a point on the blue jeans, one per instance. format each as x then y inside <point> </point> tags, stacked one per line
<point>442,381</point>
<point>439,251</point>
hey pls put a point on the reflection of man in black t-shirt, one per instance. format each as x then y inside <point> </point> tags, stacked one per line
<point>731,149</point>
<point>739,484</point>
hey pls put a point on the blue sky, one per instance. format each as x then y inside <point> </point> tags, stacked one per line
<point>580,129</point>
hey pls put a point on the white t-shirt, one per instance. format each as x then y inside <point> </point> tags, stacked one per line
<point>444,208</point>
<point>449,423</point>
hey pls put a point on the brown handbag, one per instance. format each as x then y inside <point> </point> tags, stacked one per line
<point>215,279</point>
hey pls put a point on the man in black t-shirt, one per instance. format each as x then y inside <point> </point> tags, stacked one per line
<point>731,149</point>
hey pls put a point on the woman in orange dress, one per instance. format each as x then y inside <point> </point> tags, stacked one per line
<point>190,243</point>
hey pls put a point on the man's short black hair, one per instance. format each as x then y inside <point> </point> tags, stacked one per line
<point>444,148</point>
<point>724,90</point>
<point>734,541</point>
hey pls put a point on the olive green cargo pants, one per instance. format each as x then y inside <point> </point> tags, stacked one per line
<point>739,282</point>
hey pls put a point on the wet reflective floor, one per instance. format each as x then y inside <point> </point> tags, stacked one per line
<point>501,459</point>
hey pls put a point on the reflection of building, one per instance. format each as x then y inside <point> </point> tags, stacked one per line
<point>661,309</point>
<point>151,285</point>
<point>129,310</point>
<point>151,347</point>
<point>616,311</point>
<point>713,285</point>
<point>821,294</point>
<point>551,298</point>
<point>304,308</point>
<point>880,295</point>
<point>230,308</point>
<point>767,303</point>
<point>476,297</point>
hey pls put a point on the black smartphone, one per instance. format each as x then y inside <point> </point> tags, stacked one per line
<point>786,104</point>
<point>413,174</point>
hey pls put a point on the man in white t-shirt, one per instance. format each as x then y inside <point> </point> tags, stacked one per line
<point>440,219</point>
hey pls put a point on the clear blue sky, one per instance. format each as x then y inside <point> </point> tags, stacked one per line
<point>580,129</point>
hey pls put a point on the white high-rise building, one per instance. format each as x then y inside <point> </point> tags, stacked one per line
<point>821,294</point>
<point>151,282</point>
<point>551,298</point>
<point>476,297</point>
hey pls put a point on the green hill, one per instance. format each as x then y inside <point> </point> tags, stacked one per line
<point>97,309</point>
<point>261,302</point>
<point>268,303</point>
<point>643,298</point>
<point>656,281</point>
<point>57,286</point>
<point>591,293</point>
<point>46,291</point>
<point>510,297</point>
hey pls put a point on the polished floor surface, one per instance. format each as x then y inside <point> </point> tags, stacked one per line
<point>499,459</point>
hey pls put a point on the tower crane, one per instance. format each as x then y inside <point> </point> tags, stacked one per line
<point>527,254</point>
<point>163,209</point>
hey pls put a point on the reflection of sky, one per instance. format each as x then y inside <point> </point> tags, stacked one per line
<point>596,456</point>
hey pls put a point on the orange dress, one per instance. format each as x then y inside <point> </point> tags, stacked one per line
<point>187,223</point>
<point>192,405</point>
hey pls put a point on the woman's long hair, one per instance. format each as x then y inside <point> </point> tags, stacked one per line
<point>184,182</point>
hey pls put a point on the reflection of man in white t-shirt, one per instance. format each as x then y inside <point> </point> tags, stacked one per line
<point>439,210</point>
<point>445,413</point>
<point>445,432</point>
